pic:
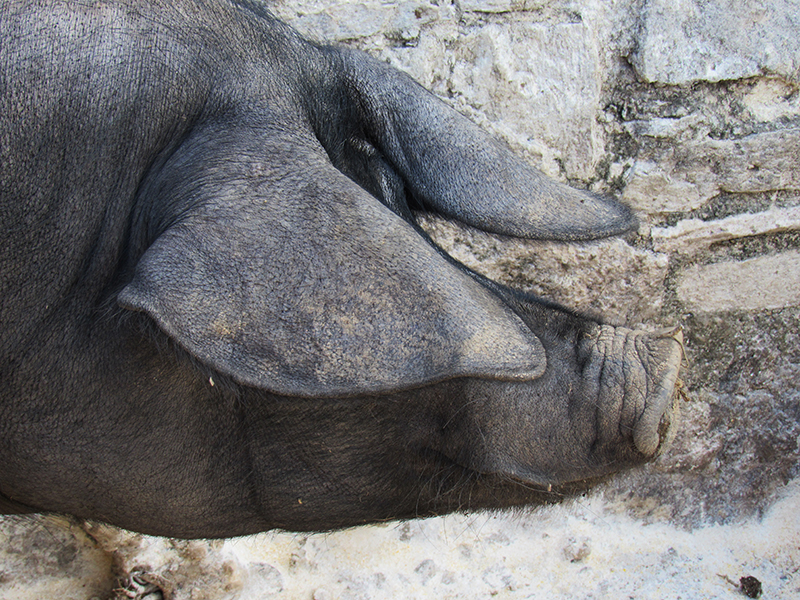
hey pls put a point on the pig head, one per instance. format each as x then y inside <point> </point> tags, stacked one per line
<point>219,315</point>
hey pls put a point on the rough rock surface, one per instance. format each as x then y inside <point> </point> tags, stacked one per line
<point>692,40</point>
<point>690,112</point>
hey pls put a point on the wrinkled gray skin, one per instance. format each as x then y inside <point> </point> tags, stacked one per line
<point>219,316</point>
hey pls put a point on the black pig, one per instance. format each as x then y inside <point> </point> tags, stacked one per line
<point>219,315</point>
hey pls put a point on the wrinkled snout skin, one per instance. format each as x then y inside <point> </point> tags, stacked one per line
<point>219,315</point>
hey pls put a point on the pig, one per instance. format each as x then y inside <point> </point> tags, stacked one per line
<point>220,315</point>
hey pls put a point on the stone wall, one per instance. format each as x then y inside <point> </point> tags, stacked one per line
<point>690,112</point>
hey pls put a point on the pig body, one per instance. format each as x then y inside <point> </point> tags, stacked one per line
<point>219,315</point>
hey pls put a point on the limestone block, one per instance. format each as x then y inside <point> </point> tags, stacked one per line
<point>338,20</point>
<point>766,282</point>
<point>756,163</point>
<point>543,82</point>
<point>656,187</point>
<point>772,99</point>
<point>690,40</point>
<point>695,172</point>
<point>667,128</point>
<point>428,61</point>
<point>502,6</point>
<point>691,235</point>
<point>492,6</point>
<point>606,278</point>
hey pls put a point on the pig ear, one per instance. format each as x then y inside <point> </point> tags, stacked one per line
<point>303,284</point>
<point>453,167</point>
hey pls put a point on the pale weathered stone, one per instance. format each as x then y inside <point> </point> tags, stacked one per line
<point>693,173</point>
<point>755,163</point>
<point>516,555</point>
<point>689,40</point>
<point>677,128</point>
<point>428,61</point>
<point>766,282</point>
<point>661,188</point>
<point>607,278</point>
<point>543,82</point>
<point>51,557</point>
<point>492,6</point>
<point>691,235</point>
<point>339,20</point>
<point>182,569</point>
<point>772,99</point>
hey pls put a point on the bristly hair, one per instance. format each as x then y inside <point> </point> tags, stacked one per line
<point>145,327</point>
